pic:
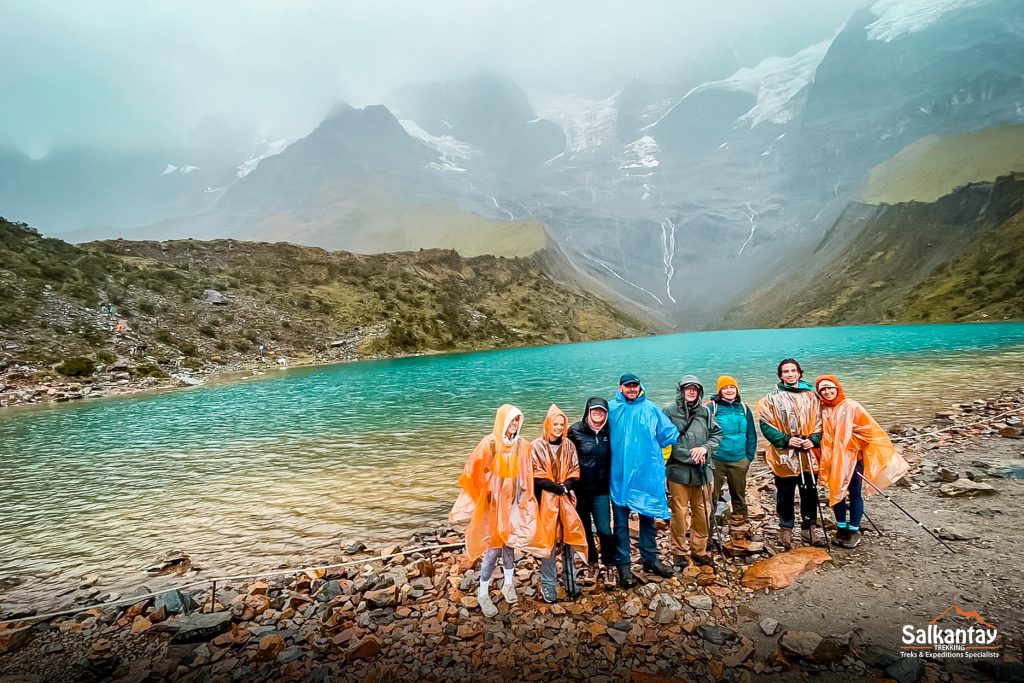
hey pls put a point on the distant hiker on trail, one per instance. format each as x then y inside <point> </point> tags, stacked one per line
<point>733,457</point>
<point>853,445</point>
<point>498,502</point>
<point>556,470</point>
<point>592,438</point>
<point>790,419</point>
<point>690,472</point>
<point>639,431</point>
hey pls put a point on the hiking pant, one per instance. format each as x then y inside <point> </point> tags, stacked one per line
<point>693,502</point>
<point>596,511</point>
<point>549,569</point>
<point>735,475</point>
<point>648,537</point>
<point>856,506</point>
<point>785,495</point>
<point>508,561</point>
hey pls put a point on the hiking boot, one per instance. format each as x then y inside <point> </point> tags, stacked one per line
<point>587,576</point>
<point>704,560</point>
<point>608,575</point>
<point>818,537</point>
<point>549,594</point>
<point>850,541</point>
<point>840,535</point>
<point>486,605</point>
<point>508,591</point>
<point>786,538</point>
<point>626,579</point>
<point>680,562</point>
<point>660,568</point>
<point>739,528</point>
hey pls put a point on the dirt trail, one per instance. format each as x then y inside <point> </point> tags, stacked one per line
<point>905,576</point>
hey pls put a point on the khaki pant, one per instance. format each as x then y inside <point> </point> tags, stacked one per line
<point>688,510</point>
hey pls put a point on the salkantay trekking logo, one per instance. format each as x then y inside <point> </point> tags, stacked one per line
<point>976,639</point>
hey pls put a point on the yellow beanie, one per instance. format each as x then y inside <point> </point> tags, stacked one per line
<point>726,380</point>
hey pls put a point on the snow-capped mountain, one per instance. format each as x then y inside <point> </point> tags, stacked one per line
<point>681,197</point>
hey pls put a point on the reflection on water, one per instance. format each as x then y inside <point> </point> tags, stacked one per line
<point>252,474</point>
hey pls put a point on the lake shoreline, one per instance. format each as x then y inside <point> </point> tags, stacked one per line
<point>18,390</point>
<point>373,616</point>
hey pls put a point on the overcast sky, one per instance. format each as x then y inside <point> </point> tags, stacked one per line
<point>134,74</point>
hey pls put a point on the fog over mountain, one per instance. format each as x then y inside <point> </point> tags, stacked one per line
<point>682,156</point>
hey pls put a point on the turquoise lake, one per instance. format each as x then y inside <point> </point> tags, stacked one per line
<point>293,466</point>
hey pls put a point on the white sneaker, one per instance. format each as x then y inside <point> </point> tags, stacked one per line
<point>508,591</point>
<point>486,605</point>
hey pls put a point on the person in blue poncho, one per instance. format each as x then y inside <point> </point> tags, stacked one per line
<point>639,430</point>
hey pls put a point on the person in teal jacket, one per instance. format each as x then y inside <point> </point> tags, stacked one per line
<point>735,453</point>
<point>639,430</point>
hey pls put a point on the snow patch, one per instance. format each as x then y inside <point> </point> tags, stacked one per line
<point>273,149</point>
<point>186,169</point>
<point>775,82</point>
<point>900,17</point>
<point>451,150</point>
<point>641,153</point>
<point>588,124</point>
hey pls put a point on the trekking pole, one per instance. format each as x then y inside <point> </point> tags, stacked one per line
<point>817,500</point>
<point>873,525</point>
<point>900,508</point>
<point>569,571</point>
<point>715,542</point>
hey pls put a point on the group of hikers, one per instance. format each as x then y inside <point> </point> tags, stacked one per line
<point>628,455</point>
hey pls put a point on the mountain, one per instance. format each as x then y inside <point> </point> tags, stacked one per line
<point>685,197</point>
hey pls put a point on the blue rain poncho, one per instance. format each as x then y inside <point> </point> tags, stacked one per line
<point>639,430</point>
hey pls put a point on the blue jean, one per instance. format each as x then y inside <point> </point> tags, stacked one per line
<point>856,506</point>
<point>596,511</point>
<point>648,537</point>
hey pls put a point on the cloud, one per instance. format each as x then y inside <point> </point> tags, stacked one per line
<point>130,74</point>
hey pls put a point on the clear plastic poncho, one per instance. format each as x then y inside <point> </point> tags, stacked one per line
<point>794,413</point>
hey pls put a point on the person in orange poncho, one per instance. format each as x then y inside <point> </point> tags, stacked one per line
<point>498,501</point>
<point>853,445</point>
<point>556,468</point>
<point>790,419</point>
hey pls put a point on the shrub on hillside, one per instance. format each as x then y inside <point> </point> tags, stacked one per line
<point>79,366</point>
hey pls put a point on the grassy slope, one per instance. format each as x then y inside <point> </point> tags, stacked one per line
<point>295,300</point>
<point>985,283</point>
<point>934,166</point>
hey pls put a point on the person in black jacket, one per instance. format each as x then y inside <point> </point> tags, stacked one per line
<point>593,504</point>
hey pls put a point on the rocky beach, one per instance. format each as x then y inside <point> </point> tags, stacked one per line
<point>408,612</point>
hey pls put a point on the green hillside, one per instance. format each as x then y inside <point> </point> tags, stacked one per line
<point>294,301</point>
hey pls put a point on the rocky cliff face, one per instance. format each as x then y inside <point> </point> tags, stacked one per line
<point>953,259</point>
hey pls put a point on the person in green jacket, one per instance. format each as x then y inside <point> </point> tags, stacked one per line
<point>689,471</point>
<point>736,452</point>
<point>790,419</point>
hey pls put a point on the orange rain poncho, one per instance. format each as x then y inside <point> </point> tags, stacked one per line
<point>794,413</point>
<point>497,491</point>
<point>557,519</point>
<point>850,434</point>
